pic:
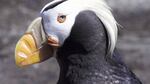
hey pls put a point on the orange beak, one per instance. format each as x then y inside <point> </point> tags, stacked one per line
<point>33,47</point>
<point>27,52</point>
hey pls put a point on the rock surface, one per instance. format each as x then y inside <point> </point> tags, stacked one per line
<point>133,42</point>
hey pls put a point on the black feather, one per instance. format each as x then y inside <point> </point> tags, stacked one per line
<point>83,58</point>
<point>54,5</point>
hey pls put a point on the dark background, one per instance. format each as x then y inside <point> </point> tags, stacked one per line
<point>133,42</point>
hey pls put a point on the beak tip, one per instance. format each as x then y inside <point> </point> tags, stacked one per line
<point>24,51</point>
<point>27,52</point>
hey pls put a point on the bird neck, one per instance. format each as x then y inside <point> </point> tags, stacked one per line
<point>78,65</point>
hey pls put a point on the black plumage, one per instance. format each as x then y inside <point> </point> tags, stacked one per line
<point>83,58</point>
<point>53,5</point>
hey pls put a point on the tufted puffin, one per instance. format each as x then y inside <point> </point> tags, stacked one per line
<point>83,35</point>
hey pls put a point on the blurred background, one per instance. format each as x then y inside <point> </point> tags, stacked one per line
<point>133,42</point>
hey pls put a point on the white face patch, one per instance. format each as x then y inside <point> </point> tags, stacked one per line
<point>53,27</point>
<point>71,8</point>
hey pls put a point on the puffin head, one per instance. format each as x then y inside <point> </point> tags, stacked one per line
<point>60,20</point>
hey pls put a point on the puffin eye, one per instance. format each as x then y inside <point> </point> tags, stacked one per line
<point>61,18</point>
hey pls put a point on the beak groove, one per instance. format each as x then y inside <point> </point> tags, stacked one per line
<point>25,49</point>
